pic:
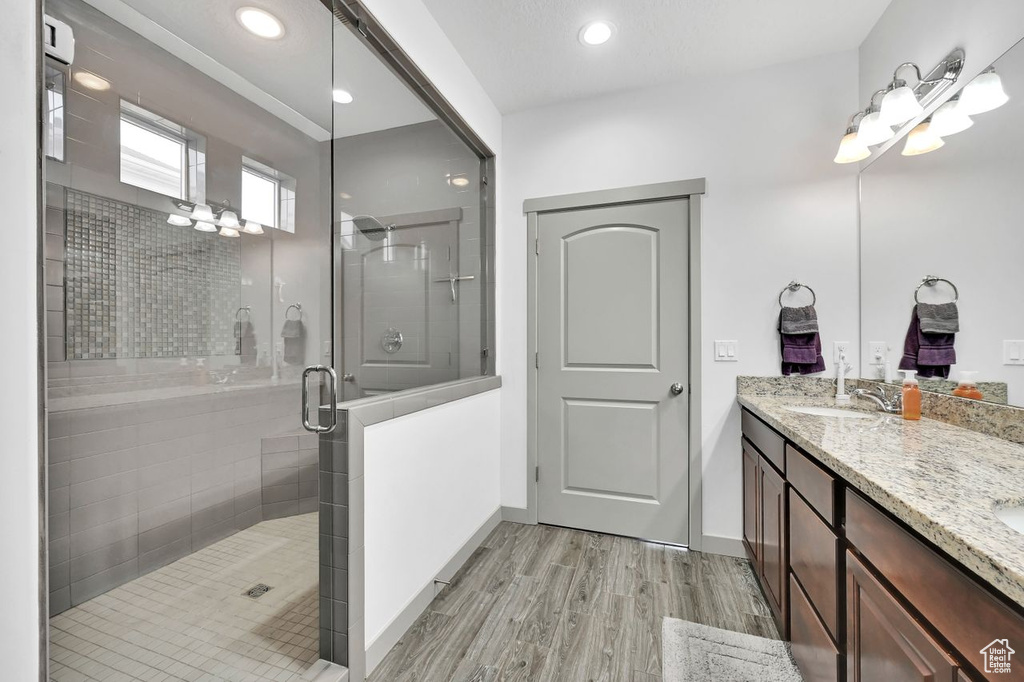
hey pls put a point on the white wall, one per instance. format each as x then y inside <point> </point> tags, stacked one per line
<point>19,456</point>
<point>924,31</point>
<point>432,479</point>
<point>777,208</point>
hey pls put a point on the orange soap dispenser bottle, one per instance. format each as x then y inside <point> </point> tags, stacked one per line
<point>911,396</point>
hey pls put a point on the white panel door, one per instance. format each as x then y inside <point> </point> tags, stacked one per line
<point>612,328</point>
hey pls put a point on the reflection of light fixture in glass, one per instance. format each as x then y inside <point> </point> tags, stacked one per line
<point>178,220</point>
<point>252,227</point>
<point>202,212</point>
<point>922,140</point>
<point>228,232</point>
<point>260,22</point>
<point>458,180</point>
<point>342,96</point>
<point>228,219</point>
<point>950,119</point>
<point>984,93</point>
<point>91,81</point>
<point>204,226</point>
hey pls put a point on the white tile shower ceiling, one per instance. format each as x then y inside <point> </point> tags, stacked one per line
<point>137,287</point>
<point>191,620</point>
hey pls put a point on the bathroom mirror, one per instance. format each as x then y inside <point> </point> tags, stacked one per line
<point>955,213</point>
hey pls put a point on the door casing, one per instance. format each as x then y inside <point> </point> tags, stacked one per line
<point>691,189</point>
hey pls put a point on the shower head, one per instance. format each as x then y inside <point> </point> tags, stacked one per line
<point>372,229</point>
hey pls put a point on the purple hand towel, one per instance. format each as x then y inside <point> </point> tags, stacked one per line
<point>801,353</point>
<point>930,355</point>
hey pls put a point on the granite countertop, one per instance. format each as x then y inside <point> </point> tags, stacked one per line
<point>943,481</point>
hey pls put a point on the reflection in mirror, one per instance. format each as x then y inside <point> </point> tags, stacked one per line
<point>946,226</point>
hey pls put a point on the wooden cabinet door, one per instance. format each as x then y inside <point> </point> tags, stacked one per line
<point>751,502</point>
<point>883,641</point>
<point>773,556</point>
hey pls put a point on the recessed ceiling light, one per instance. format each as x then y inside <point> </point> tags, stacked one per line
<point>91,81</point>
<point>260,22</point>
<point>596,33</point>
<point>343,97</point>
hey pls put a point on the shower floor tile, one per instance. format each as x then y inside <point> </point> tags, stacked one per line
<point>191,621</point>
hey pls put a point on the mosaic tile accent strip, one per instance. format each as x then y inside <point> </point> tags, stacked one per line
<point>136,287</point>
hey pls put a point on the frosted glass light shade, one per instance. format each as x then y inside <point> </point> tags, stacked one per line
<point>202,212</point>
<point>950,119</point>
<point>204,226</point>
<point>228,219</point>
<point>984,93</point>
<point>178,220</point>
<point>873,131</point>
<point>922,140</point>
<point>851,149</point>
<point>252,227</point>
<point>899,106</point>
<point>228,232</point>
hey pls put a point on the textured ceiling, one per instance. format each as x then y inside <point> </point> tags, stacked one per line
<point>295,69</point>
<point>526,53</point>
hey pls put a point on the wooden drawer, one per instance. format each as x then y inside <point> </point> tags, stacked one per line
<point>815,653</point>
<point>815,484</point>
<point>953,602</point>
<point>883,641</point>
<point>814,558</point>
<point>769,443</point>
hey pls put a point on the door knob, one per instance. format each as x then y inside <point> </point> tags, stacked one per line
<point>676,388</point>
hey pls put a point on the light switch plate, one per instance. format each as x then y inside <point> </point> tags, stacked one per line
<point>879,351</point>
<point>726,351</point>
<point>1013,352</point>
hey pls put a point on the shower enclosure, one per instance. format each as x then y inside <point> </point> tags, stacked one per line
<point>218,217</point>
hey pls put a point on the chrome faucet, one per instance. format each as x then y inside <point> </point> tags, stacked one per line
<point>892,404</point>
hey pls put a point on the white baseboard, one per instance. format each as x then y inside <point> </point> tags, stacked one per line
<point>400,624</point>
<point>516,515</point>
<point>716,544</point>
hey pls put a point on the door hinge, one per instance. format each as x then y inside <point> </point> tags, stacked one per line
<point>484,180</point>
<point>536,246</point>
<point>536,474</point>
<point>536,360</point>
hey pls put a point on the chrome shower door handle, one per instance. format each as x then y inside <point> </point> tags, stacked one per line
<point>676,388</point>
<point>332,390</point>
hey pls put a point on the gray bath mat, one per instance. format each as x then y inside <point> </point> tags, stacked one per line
<point>695,653</point>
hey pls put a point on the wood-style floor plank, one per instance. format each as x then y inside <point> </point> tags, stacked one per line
<point>546,604</point>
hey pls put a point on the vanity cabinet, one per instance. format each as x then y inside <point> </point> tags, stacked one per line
<point>860,596</point>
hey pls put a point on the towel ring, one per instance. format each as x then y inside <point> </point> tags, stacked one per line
<point>298,309</point>
<point>932,280</point>
<point>795,286</point>
<point>247,309</point>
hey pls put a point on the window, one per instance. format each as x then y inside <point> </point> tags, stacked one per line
<point>53,138</point>
<point>268,196</point>
<point>161,156</point>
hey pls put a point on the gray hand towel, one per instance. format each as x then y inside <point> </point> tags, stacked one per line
<point>799,320</point>
<point>294,334</point>
<point>939,318</point>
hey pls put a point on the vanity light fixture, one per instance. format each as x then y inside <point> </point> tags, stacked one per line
<point>458,180</point>
<point>900,102</point>
<point>228,232</point>
<point>178,220</point>
<point>922,139</point>
<point>91,81</point>
<point>204,226</point>
<point>984,93</point>
<point>872,129</point>
<point>342,96</point>
<point>252,227</point>
<point>950,119</point>
<point>596,33</point>
<point>202,212</point>
<point>228,219</point>
<point>851,149</point>
<point>260,22</point>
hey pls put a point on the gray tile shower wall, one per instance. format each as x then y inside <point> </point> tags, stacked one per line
<point>290,475</point>
<point>137,287</point>
<point>135,486</point>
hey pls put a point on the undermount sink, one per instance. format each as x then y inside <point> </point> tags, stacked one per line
<point>828,412</point>
<point>1012,517</point>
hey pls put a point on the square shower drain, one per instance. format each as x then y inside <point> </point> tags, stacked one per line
<point>257,591</point>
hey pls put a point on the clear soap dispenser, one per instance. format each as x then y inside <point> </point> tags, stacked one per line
<point>911,396</point>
